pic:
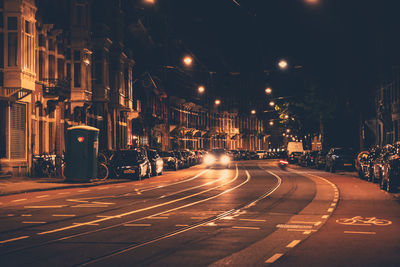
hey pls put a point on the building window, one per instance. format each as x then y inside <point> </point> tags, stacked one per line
<point>41,40</point>
<point>1,78</point>
<point>1,50</point>
<point>77,55</point>
<point>77,75</point>
<point>17,131</point>
<point>12,23</point>
<point>41,66</point>
<point>3,129</point>
<point>98,72</point>
<point>69,71</point>
<point>51,44</point>
<point>12,49</point>
<point>52,66</point>
<point>29,46</point>
<point>1,19</point>
<point>60,68</point>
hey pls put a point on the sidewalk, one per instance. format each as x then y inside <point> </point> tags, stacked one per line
<point>15,185</point>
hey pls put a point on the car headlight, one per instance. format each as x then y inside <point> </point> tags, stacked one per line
<point>225,160</point>
<point>209,159</point>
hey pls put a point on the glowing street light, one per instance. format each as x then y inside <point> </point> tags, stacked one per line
<point>187,60</point>
<point>272,103</point>
<point>271,123</point>
<point>286,116</point>
<point>151,2</point>
<point>253,111</point>
<point>268,90</point>
<point>283,64</point>
<point>201,89</point>
<point>288,130</point>
<point>217,102</point>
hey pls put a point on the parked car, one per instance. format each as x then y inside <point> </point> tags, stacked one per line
<point>390,179</point>
<point>252,155</point>
<point>184,158</point>
<point>130,163</point>
<point>157,164</point>
<point>307,159</point>
<point>339,159</point>
<point>171,161</point>
<point>320,159</point>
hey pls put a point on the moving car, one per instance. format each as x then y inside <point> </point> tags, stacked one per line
<point>130,163</point>
<point>217,157</point>
<point>157,164</point>
<point>339,159</point>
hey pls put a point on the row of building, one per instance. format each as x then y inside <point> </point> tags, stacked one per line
<point>69,62</point>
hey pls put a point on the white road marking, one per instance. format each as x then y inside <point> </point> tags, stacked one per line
<point>44,207</point>
<point>317,223</point>
<point>32,222</point>
<point>119,186</point>
<point>330,210</point>
<point>63,215</point>
<point>252,220</point>
<point>92,224</point>
<point>181,225</point>
<point>325,216</point>
<point>42,196</point>
<point>245,227</point>
<point>102,188</point>
<point>293,243</point>
<point>26,215</point>
<point>333,204</point>
<point>361,233</point>
<point>198,218</point>
<point>306,232</point>
<point>300,230</point>
<point>10,215</point>
<point>84,190</point>
<point>303,222</point>
<point>158,218</point>
<point>64,193</point>
<point>77,200</point>
<point>104,216</point>
<point>294,226</point>
<point>18,200</point>
<point>14,239</point>
<point>274,258</point>
<point>103,203</point>
<point>89,205</point>
<point>137,224</point>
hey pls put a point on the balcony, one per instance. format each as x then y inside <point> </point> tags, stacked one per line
<point>56,88</point>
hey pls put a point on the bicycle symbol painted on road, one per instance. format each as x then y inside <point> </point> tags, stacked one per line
<point>359,220</point>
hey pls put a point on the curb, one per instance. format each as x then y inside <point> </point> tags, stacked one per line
<point>65,187</point>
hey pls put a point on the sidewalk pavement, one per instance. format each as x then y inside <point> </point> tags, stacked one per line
<point>15,185</point>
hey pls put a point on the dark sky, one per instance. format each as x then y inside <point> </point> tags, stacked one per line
<point>335,39</point>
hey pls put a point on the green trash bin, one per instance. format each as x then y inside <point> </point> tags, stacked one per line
<point>81,153</point>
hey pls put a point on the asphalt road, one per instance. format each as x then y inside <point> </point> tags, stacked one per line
<point>253,214</point>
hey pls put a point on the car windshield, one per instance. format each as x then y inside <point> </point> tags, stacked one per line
<point>126,155</point>
<point>166,154</point>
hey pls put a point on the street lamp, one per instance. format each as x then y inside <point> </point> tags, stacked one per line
<point>271,123</point>
<point>272,103</point>
<point>187,60</point>
<point>151,2</point>
<point>253,111</point>
<point>288,130</point>
<point>201,89</point>
<point>286,116</point>
<point>268,90</point>
<point>283,64</point>
<point>217,102</point>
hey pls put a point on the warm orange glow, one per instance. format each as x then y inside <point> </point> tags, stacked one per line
<point>201,89</point>
<point>187,60</point>
<point>149,2</point>
<point>311,2</point>
<point>268,90</point>
<point>271,123</point>
<point>283,64</point>
<point>272,103</point>
<point>286,117</point>
<point>81,139</point>
<point>217,102</point>
<point>288,130</point>
<point>283,134</point>
<point>253,111</point>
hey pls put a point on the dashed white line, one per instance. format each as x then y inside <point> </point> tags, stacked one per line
<point>252,220</point>
<point>138,224</point>
<point>158,218</point>
<point>44,207</point>
<point>26,215</point>
<point>32,222</point>
<point>361,233</point>
<point>14,239</point>
<point>274,258</point>
<point>84,190</point>
<point>246,227</point>
<point>103,203</point>
<point>306,232</point>
<point>10,215</point>
<point>333,204</point>
<point>293,243</point>
<point>18,200</point>
<point>181,225</point>
<point>64,215</point>
<point>325,216</point>
<point>64,193</point>
<point>330,210</point>
<point>42,196</point>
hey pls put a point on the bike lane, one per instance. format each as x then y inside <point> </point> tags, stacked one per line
<point>363,230</point>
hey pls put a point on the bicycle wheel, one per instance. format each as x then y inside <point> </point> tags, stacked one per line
<point>102,171</point>
<point>102,158</point>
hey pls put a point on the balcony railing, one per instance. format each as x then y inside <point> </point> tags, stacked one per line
<point>56,88</point>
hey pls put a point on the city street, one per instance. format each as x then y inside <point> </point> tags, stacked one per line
<point>252,214</point>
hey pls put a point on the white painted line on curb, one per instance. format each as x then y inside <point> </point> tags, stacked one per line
<point>274,258</point>
<point>181,225</point>
<point>252,220</point>
<point>64,193</point>
<point>293,243</point>
<point>32,222</point>
<point>330,210</point>
<point>14,239</point>
<point>26,215</point>
<point>325,217</point>
<point>64,215</point>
